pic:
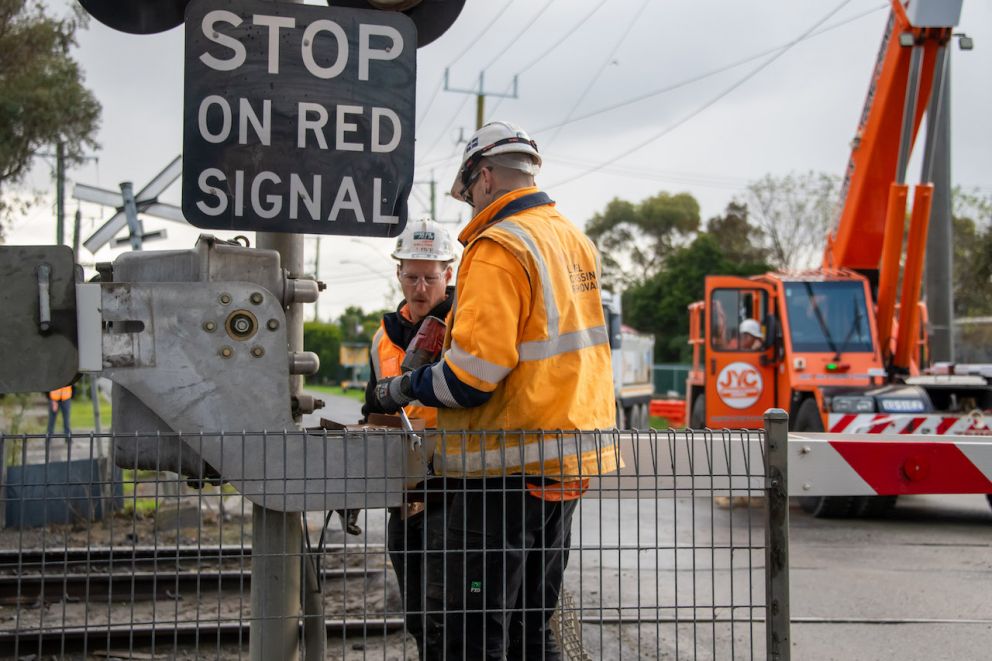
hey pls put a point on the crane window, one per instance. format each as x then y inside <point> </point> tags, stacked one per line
<point>736,322</point>
<point>828,317</point>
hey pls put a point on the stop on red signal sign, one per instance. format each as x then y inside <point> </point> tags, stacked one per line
<point>298,118</point>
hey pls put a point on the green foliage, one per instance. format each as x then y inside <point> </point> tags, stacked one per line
<point>359,326</point>
<point>972,218</point>
<point>634,239</point>
<point>352,393</point>
<point>324,340</point>
<point>42,97</point>
<point>659,304</point>
<point>794,214</point>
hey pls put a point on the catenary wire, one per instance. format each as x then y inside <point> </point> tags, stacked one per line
<point>707,74</point>
<point>724,93</point>
<point>548,51</point>
<point>610,57</point>
<point>471,43</point>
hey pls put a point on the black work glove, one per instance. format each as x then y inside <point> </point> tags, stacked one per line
<point>393,393</point>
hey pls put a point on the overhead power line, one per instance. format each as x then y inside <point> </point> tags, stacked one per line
<point>550,50</point>
<point>707,74</point>
<point>668,129</point>
<point>606,62</point>
<point>472,42</point>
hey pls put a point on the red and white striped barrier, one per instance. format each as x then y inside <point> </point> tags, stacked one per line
<point>869,464</point>
<point>974,424</point>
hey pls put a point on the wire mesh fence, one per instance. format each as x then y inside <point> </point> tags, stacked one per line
<point>106,554</point>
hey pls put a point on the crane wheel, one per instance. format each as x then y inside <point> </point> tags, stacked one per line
<point>822,507</point>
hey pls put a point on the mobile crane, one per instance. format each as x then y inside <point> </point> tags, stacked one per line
<point>834,348</point>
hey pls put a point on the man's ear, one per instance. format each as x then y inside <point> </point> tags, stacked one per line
<point>448,272</point>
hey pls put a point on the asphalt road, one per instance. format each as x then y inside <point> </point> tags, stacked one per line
<point>915,585</point>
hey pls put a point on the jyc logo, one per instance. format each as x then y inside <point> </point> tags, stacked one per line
<point>739,385</point>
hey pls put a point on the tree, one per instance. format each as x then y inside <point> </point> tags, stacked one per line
<point>635,239</point>
<point>357,325</point>
<point>972,224</point>
<point>42,98</point>
<point>794,213</point>
<point>324,340</point>
<point>739,240</point>
<point>659,304</point>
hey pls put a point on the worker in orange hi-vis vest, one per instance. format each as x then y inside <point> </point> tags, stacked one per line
<point>59,399</point>
<point>527,348</point>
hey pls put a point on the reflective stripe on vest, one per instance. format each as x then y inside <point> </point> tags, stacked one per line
<point>526,450</point>
<point>534,350</point>
<point>376,341</point>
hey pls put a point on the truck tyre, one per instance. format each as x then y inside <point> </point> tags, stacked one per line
<point>873,507</point>
<point>822,507</point>
<point>640,417</point>
<point>697,419</point>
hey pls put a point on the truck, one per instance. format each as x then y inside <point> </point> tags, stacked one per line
<point>833,347</point>
<point>633,359</point>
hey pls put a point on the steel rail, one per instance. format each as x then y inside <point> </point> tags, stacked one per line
<point>171,635</point>
<point>20,560</point>
<point>137,586</point>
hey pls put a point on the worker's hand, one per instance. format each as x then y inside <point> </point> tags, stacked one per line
<point>393,393</point>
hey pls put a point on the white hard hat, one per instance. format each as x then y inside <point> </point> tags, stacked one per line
<point>752,327</point>
<point>425,239</point>
<point>492,139</point>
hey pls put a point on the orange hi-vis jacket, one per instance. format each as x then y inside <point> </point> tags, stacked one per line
<point>387,358</point>
<point>60,394</point>
<point>527,349</point>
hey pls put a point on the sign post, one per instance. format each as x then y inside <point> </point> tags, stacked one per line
<point>297,120</point>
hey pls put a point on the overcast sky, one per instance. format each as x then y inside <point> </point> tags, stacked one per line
<point>717,127</point>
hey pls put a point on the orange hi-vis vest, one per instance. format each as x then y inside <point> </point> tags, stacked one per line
<point>61,394</point>
<point>527,326</point>
<point>386,361</point>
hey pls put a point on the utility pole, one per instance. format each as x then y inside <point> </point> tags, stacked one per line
<point>432,182</point>
<point>59,193</point>
<point>940,240</point>
<point>76,225</point>
<point>480,96</point>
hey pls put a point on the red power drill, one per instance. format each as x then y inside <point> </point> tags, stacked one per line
<point>425,347</point>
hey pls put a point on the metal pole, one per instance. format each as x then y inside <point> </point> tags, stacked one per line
<point>433,196</point>
<point>777,623</point>
<point>276,537</point>
<point>95,398</point>
<point>77,222</point>
<point>316,275</point>
<point>480,104</point>
<point>940,240</point>
<point>59,193</point>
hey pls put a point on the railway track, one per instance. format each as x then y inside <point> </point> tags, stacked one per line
<point>109,577</point>
<point>204,635</point>
<point>27,559</point>
<point>36,577</point>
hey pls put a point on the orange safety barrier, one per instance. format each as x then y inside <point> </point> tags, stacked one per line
<point>672,410</point>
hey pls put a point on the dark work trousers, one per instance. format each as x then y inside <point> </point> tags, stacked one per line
<point>405,540</point>
<point>494,571</point>
<point>62,406</point>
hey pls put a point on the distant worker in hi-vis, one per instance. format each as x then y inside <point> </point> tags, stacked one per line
<point>527,348</point>
<point>60,400</point>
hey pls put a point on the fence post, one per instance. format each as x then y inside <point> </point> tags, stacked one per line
<point>777,623</point>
